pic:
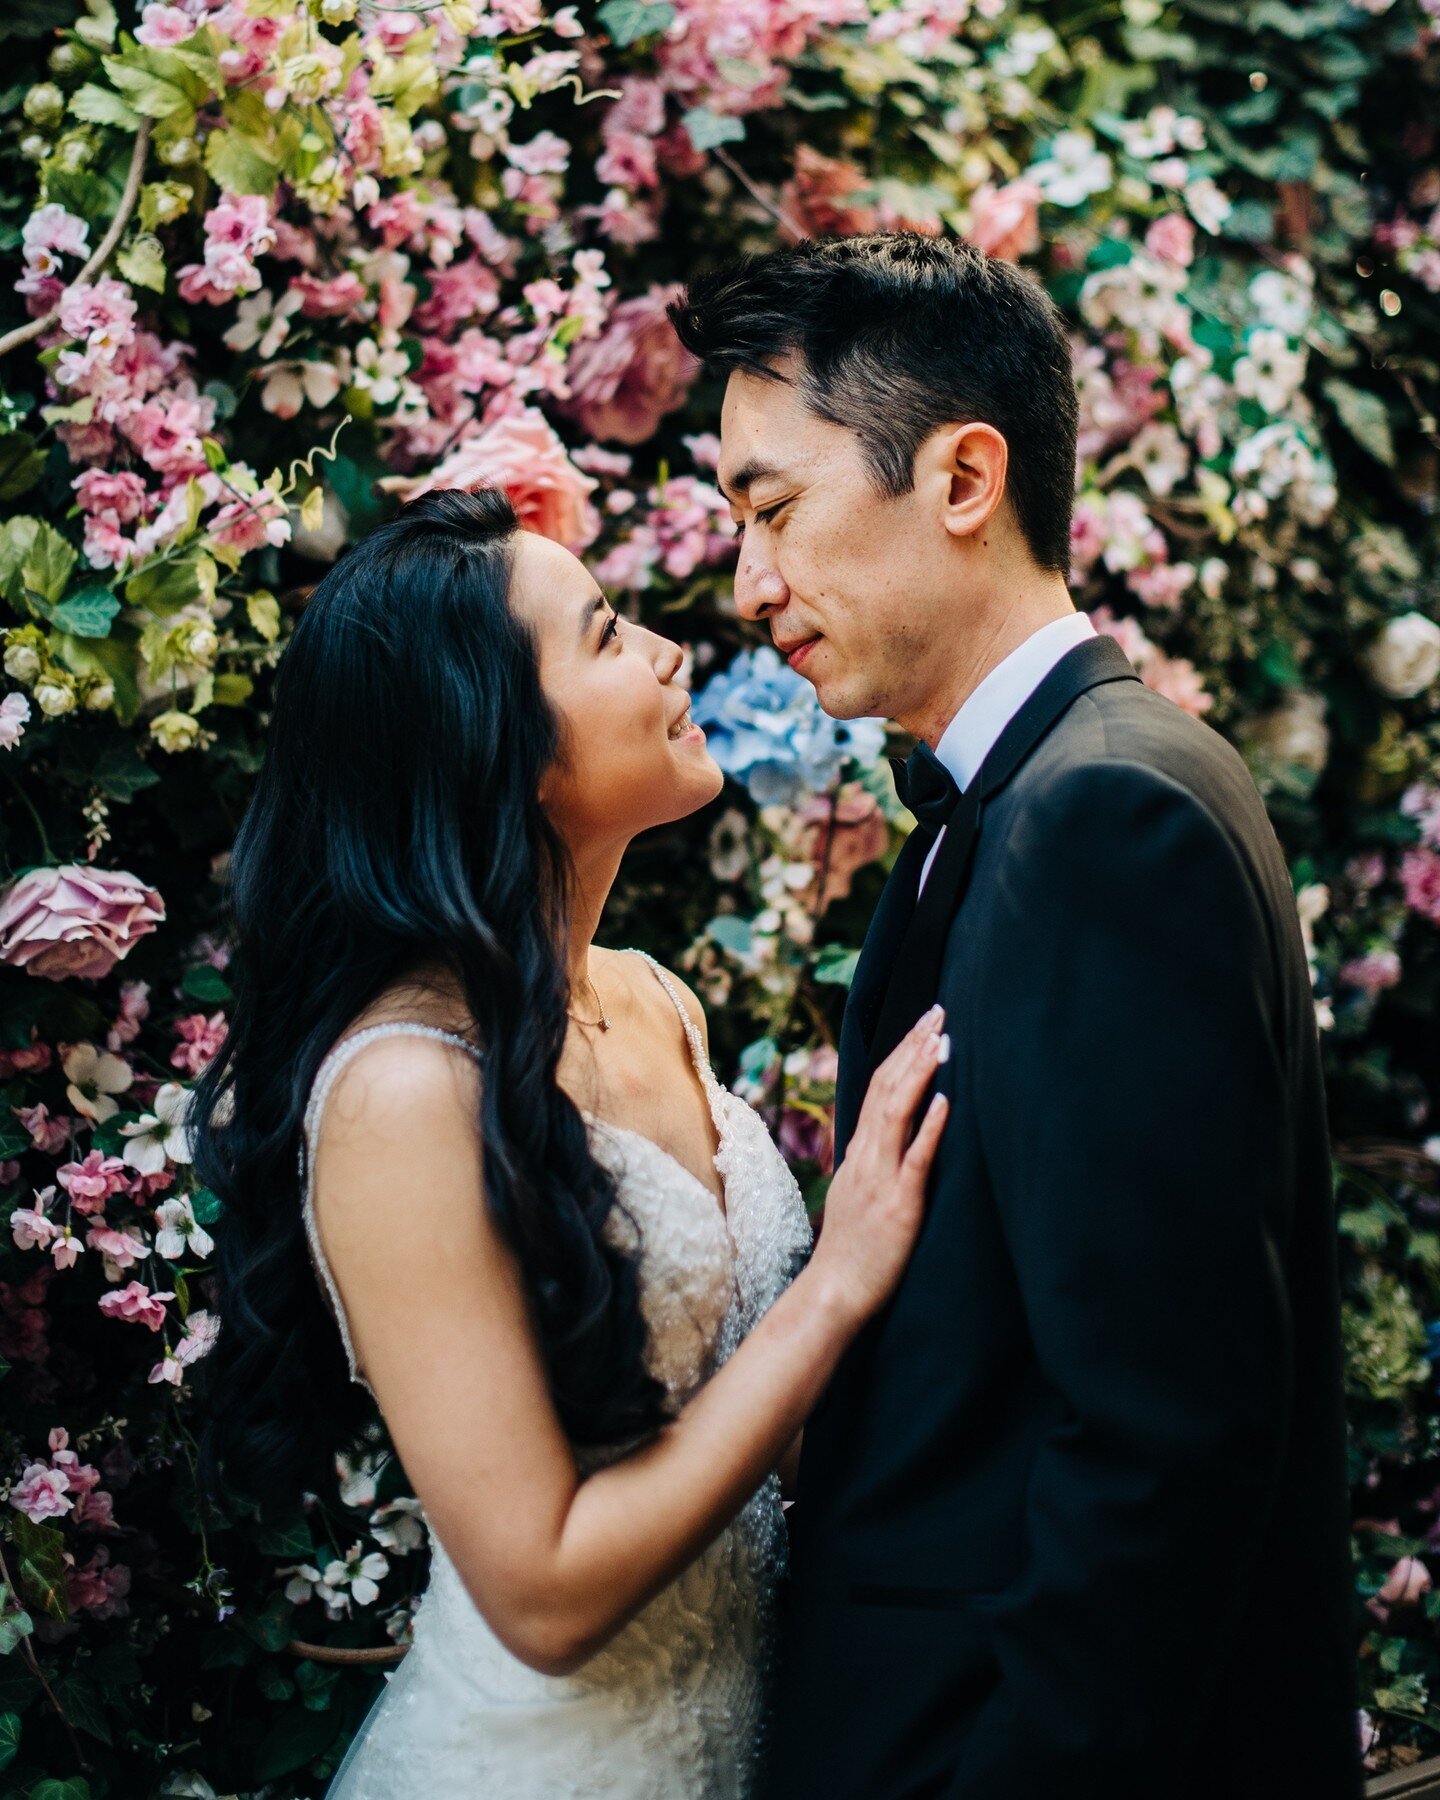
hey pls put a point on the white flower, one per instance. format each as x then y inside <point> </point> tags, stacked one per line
<point>1294,731</point>
<point>1160,454</point>
<point>179,1231</point>
<point>1073,170</point>
<point>158,1136</point>
<point>22,662</point>
<point>399,1526</point>
<point>1283,298</point>
<point>379,371</point>
<point>93,1076</point>
<point>262,321</point>
<point>362,1575</point>
<point>54,696</point>
<point>1208,206</point>
<point>290,385</point>
<point>1405,658</point>
<point>1019,53</point>
<point>1271,369</point>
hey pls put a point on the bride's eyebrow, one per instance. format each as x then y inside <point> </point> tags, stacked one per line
<point>589,610</point>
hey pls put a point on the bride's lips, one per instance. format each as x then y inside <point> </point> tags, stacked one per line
<point>684,729</point>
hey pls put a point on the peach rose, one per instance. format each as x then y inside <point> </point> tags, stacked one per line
<point>818,198</point>
<point>518,451</point>
<point>858,836</point>
<point>74,920</point>
<point>1005,222</point>
<point>625,380</point>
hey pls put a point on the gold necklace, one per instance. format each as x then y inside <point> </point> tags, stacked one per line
<point>603,1021</point>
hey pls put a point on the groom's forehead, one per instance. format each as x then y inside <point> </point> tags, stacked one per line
<point>753,470</point>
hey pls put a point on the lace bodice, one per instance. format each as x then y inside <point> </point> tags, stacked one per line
<point>673,1707</point>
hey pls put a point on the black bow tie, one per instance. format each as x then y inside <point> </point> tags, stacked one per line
<point>926,786</point>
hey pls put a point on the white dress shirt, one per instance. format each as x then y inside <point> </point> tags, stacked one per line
<point>990,708</point>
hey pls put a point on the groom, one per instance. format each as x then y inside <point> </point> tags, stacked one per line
<point>1072,1517</point>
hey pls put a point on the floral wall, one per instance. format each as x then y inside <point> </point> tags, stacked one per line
<point>271,266</point>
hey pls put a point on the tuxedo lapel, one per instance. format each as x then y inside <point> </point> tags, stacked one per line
<point>872,972</point>
<point>911,975</point>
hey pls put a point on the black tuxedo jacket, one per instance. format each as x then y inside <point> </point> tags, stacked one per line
<point>1072,1516</point>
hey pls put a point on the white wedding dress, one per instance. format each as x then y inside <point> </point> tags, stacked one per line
<point>675,1706</point>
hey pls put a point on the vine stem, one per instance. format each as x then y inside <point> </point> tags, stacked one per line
<point>49,854</point>
<point>27,1650</point>
<point>22,334</point>
<point>817,906</point>
<point>756,193</point>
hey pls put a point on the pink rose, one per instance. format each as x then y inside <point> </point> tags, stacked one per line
<point>623,381</point>
<point>1005,222</point>
<point>74,920</point>
<point>42,1493</point>
<point>519,451</point>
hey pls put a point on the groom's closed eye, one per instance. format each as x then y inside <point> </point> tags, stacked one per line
<point>761,518</point>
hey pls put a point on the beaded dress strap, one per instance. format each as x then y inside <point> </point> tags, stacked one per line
<point>692,1031</point>
<point>330,1066</point>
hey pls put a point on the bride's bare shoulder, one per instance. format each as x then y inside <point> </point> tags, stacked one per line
<point>636,978</point>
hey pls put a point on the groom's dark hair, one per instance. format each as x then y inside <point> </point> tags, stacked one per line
<point>900,334</point>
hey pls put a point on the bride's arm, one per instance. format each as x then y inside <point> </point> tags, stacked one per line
<point>437,1310</point>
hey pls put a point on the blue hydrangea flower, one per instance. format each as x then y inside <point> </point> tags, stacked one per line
<point>766,730</point>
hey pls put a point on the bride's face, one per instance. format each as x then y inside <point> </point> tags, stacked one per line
<point>630,757</point>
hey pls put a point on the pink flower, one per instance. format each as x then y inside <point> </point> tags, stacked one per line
<point>91,1183</point>
<point>1172,238</point>
<point>332,299</point>
<point>201,1039</point>
<point>14,711</point>
<point>519,452</point>
<point>46,1134</point>
<point>102,313</point>
<point>123,1248</point>
<point>1373,972</point>
<point>134,1010</point>
<point>1173,676</point>
<point>1407,1581</point>
<point>1005,221</point>
<point>163,26</point>
<point>74,920</point>
<point>857,835</point>
<point>136,1302</point>
<point>97,1588</point>
<point>1420,878</point>
<point>42,1493</point>
<point>30,1228</point>
<point>237,230</point>
<point>121,493</point>
<point>821,198</point>
<point>624,381</point>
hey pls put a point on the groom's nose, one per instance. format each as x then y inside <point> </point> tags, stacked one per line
<point>760,588</point>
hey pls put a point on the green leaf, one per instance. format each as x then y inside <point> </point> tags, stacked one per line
<point>627,21</point>
<point>143,262</point>
<point>206,1206</point>
<point>9,1737</point>
<point>103,106</point>
<point>14,1139</point>
<point>290,1541</point>
<point>48,563</point>
<point>162,84</point>
<point>84,1707</point>
<point>836,965</point>
<point>164,587</point>
<point>40,1573</point>
<point>22,462</point>
<point>294,1740</point>
<point>263,611</point>
<point>120,772</point>
<point>240,163</point>
<point>233,689</point>
<point>731,933</point>
<point>205,983</point>
<point>88,612</point>
<point>709,129</point>
<point>1364,416</point>
<point>76,1788</point>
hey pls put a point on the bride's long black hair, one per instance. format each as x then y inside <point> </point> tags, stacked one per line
<point>395,820</point>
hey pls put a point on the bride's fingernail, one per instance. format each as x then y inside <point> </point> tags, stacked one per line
<point>933,1017</point>
<point>942,1050</point>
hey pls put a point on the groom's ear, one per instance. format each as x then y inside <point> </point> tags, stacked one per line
<point>976,460</point>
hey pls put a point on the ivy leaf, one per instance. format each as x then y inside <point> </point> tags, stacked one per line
<point>205,983</point>
<point>709,129</point>
<point>143,262</point>
<point>84,1707</point>
<point>87,613</point>
<point>160,84</point>
<point>9,1736</point>
<point>164,587</point>
<point>294,1740</point>
<point>289,1541</point>
<point>206,1205</point>
<point>121,773</point>
<point>627,21</point>
<point>22,462</point>
<point>41,1567</point>
<point>241,163</point>
<point>1364,416</point>
<point>14,1139</point>
<point>103,106</point>
<point>263,611</point>
<point>836,965</point>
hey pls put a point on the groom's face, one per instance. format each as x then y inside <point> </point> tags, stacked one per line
<point>856,589</point>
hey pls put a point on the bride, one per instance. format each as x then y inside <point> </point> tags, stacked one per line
<point>480,1168</point>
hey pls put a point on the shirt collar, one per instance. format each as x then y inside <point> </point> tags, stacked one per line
<point>989,709</point>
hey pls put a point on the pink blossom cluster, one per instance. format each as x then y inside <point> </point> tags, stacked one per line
<point>62,1485</point>
<point>1175,677</point>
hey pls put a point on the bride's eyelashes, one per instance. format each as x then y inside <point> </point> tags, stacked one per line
<point>612,628</point>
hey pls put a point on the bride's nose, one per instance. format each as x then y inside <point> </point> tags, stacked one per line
<point>669,660</point>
